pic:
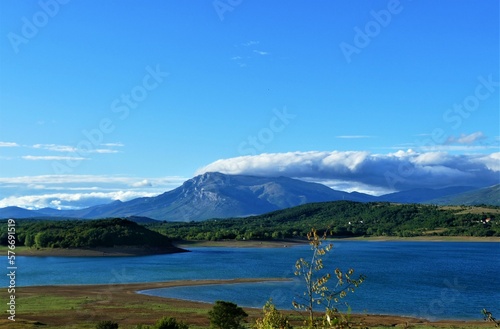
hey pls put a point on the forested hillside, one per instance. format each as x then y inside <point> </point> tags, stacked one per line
<point>84,234</point>
<point>344,219</point>
<point>341,218</point>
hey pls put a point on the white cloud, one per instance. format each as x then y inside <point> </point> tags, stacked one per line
<point>50,180</point>
<point>118,144</point>
<point>142,183</point>
<point>56,204</point>
<point>8,144</point>
<point>55,147</point>
<point>105,151</point>
<point>354,136</point>
<point>476,141</point>
<point>79,191</point>
<point>472,138</point>
<point>463,139</point>
<point>52,158</point>
<point>72,149</point>
<point>491,161</point>
<point>431,158</point>
<point>376,172</point>
<point>260,52</point>
<point>248,50</point>
<point>250,43</point>
<point>459,148</point>
<point>70,200</point>
<point>345,160</point>
<point>346,186</point>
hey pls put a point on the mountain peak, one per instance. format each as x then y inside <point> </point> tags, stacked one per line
<point>218,195</point>
<point>211,177</point>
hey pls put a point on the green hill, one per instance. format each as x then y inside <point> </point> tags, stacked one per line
<point>85,234</point>
<point>344,219</point>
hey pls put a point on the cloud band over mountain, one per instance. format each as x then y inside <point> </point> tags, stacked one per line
<point>79,191</point>
<point>367,172</point>
<point>348,171</point>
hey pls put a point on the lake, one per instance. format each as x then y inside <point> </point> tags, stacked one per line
<point>432,280</point>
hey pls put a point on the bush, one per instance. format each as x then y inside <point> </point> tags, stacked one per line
<point>170,323</point>
<point>273,319</point>
<point>226,315</point>
<point>318,291</point>
<point>107,325</point>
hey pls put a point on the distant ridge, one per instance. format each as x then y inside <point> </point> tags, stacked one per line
<point>217,195</point>
<point>210,195</point>
<point>17,212</point>
<point>423,195</point>
<point>488,196</point>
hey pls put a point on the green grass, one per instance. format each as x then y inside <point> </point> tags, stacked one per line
<point>426,326</point>
<point>155,307</point>
<point>461,210</point>
<point>37,304</point>
<point>31,325</point>
<point>5,249</point>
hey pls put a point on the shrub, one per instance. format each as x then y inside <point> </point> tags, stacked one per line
<point>170,323</point>
<point>318,291</point>
<point>107,325</point>
<point>272,319</point>
<point>226,315</point>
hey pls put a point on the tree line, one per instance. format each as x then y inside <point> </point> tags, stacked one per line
<point>342,219</point>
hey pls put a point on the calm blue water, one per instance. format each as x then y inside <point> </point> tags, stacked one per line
<point>434,280</point>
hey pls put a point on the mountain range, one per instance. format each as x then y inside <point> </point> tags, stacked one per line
<point>216,195</point>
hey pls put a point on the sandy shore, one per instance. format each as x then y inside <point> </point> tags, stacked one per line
<point>121,303</point>
<point>294,242</point>
<point>244,243</point>
<point>428,238</point>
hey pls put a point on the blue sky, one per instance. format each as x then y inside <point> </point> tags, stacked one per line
<point>103,100</point>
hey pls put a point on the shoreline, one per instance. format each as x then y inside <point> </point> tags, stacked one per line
<point>119,251</point>
<point>183,246</point>
<point>424,238</point>
<point>130,307</point>
<point>285,243</point>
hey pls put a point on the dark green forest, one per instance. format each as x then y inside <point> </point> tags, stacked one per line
<point>343,219</point>
<point>340,219</point>
<point>83,234</point>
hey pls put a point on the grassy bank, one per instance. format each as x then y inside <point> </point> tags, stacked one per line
<point>80,307</point>
<point>116,251</point>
